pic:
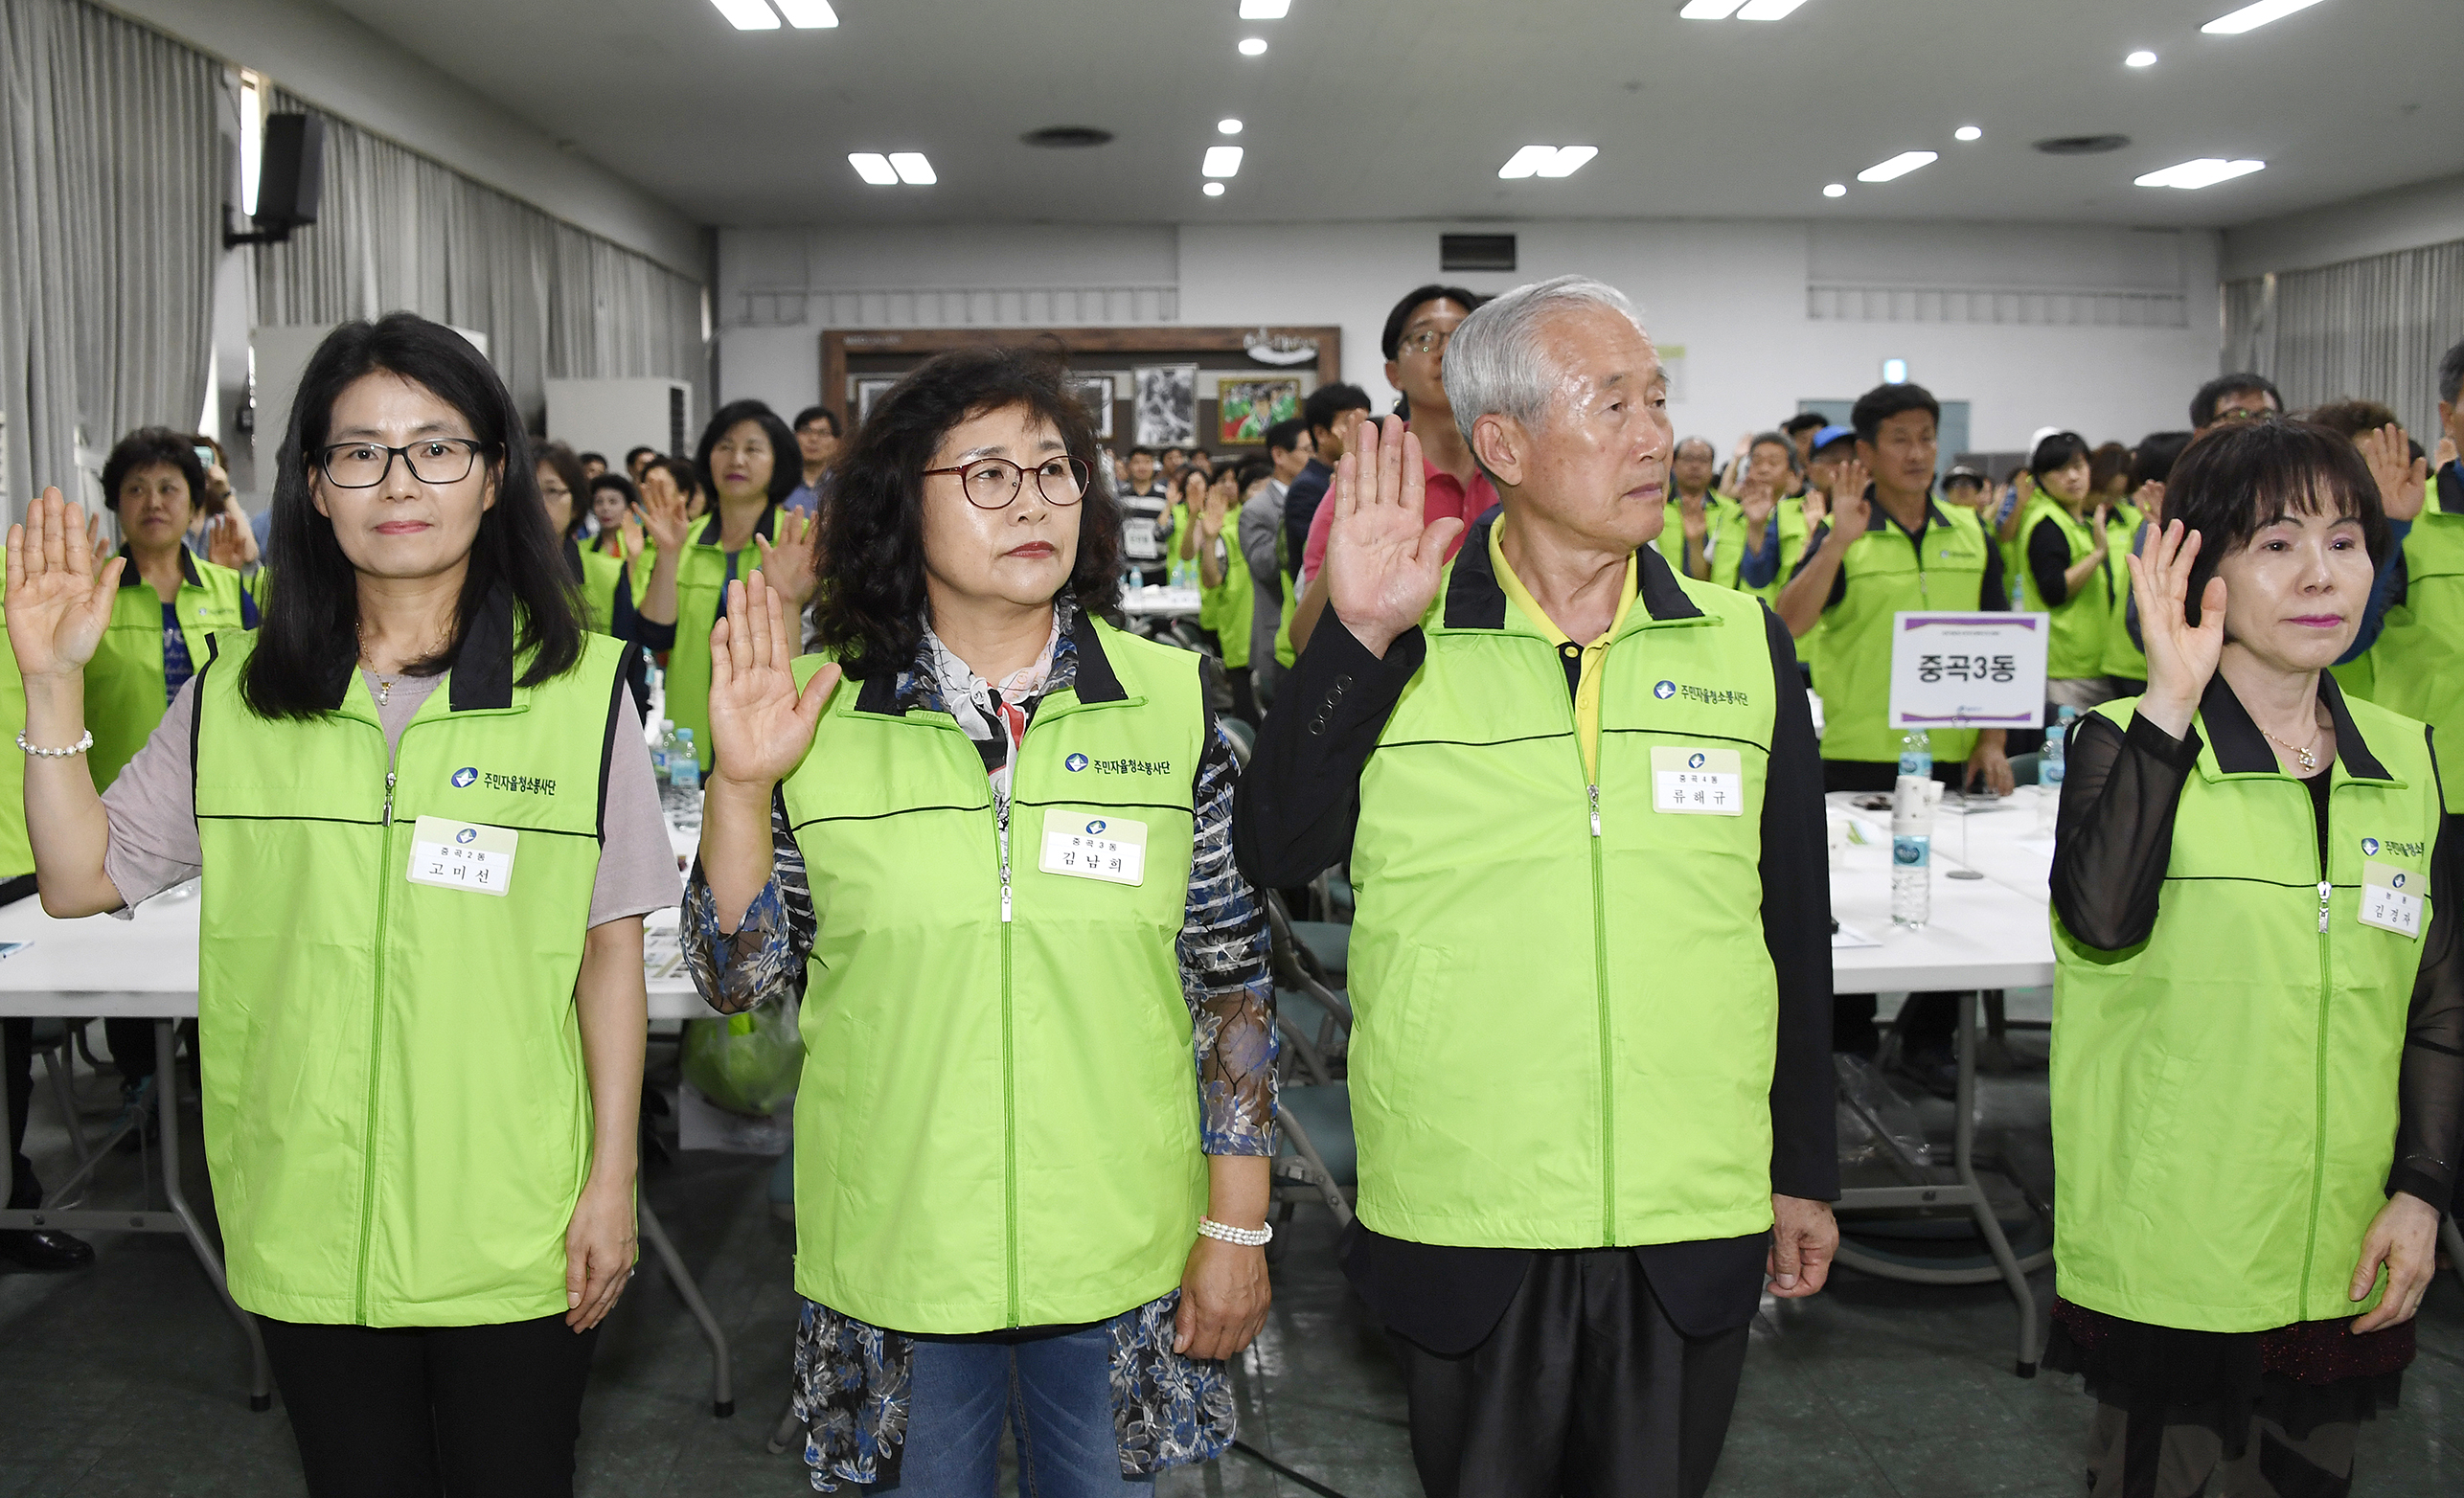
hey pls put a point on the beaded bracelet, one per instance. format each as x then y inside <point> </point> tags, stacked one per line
<point>78,747</point>
<point>1247,1237</point>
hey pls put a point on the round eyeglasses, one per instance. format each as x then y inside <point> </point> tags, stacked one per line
<point>994,483</point>
<point>431,459</point>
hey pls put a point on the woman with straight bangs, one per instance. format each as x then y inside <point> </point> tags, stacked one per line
<point>998,860</point>
<point>427,825</point>
<point>2062,546</point>
<point>2258,1034</point>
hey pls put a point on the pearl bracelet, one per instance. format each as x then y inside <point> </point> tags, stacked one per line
<point>1247,1237</point>
<point>78,747</point>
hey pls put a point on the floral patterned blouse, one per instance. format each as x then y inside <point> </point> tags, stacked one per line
<point>853,1380</point>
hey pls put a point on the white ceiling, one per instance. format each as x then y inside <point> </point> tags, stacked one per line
<point>1403,109</point>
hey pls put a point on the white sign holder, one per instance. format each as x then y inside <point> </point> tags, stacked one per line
<point>1967,671</point>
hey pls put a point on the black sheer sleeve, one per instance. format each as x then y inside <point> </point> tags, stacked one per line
<point>2114,835</point>
<point>2049,562</point>
<point>1299,801</point>
<point>1796,929</point>
<point>2429,1091</point>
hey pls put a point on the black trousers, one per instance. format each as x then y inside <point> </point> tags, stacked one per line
<point>17,1076</point>
<point>1583,1389</point>
<point>412,1412</point>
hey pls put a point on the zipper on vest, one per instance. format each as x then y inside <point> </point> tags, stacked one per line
<point>1595,810</point>
<point>1009,1067</point>
<point>376,1046</point>
<point>2319,1090</point>
<point>1608,1055</point>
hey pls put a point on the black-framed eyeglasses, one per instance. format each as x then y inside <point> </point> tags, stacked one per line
<point>994,483</point>
<point>431,459</point>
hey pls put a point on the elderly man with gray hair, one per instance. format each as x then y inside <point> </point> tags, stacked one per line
<point>1592,965</point>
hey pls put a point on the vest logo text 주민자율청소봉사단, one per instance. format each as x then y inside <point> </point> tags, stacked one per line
<point>471,775</point>
<point>2371,848</point>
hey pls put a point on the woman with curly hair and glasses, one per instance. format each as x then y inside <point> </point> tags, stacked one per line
<point>996,858</point>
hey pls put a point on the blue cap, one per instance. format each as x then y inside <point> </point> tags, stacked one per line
<point>1831,433</point>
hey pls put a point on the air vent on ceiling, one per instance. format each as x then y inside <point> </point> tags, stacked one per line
<point>2082,145</point>
<point>1475,252</point>
<point>1068,137</point>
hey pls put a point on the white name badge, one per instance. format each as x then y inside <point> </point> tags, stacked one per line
<point>2392,899</point>
<point>1087,847</point>
<point>1702,783</point>
<point>1138,540</point>
<point>462,855</point>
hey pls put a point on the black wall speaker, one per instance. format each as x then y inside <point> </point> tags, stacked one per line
<point>290,181</point>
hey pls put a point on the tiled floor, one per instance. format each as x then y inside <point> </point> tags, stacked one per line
<point>127,1378</point>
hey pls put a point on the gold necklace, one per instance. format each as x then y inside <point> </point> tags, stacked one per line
<point>2307,759</point>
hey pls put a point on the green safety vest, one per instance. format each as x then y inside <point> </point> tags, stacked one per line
<point>2075,647</point>
<point>1943,570</point>
<point>2122,658</point>
<point>2417,665</point>
<point>602,577</point>
<point>2225,1093</point>
<point>124,695</point>
<point>1789,517</point>
<point>998,1123</point>
<point>398,1120</point>
<point>16,854</point>
<point>1513,1003</point>
<point>1228,607</point>
<point>701,585</point>
<point>1724,522</point>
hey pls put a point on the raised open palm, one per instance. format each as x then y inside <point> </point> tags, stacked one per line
<point>2181,657</point>
<point>759,726</point>
<point>57,603</point>
<point>1382,563</point>
<point>2403,479</point>
<point>662,511</point>
<point>792,564</point>
<point>1757,501</point>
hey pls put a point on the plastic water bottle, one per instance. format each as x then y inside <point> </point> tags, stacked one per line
<point>1912,806</point>
<point>661,751</point>
<point>2049,767</point>
<point>684,773</point>
<point>1916,755</point>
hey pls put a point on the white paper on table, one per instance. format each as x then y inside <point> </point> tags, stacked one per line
<point>1848,936</point>
<point>662,954</point>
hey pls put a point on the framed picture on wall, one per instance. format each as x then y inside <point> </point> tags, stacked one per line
<point>1244,408</point>
<point>1167,405</point>
<point>870,388</point>
<point>1095,391</point>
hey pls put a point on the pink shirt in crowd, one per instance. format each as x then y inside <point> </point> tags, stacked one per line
<point>1445,495</point>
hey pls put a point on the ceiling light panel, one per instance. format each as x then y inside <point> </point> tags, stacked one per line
<point>748,16</point>
<point>912,168</point>
<point>1264,10</point>
<point>1212,189</point>
<point>1546,161</point>
<point>1567,160</point>
<point>1836,190</point>
<point>1768,9</point>
<point>1968,132</point>
<point>1227,126</point>
<point>808,15</point>
<point>1222,161</point>
<point>2141,59</point>
<point>874,167</point>
<point>2250,17</point>
<point>1253,46</point>
<point>1709,9</point>
<point>2205,171</point>
<point>1899,166</point>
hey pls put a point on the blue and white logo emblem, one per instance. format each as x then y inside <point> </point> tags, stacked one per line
<point>1075,762</point>
<point>469,834</point>
<point>2398,881</point>
<point>1664,690</point>
<point>466,776</point>
<point>1095,827</point>
<point>1694,762</point>
<point>2369,847</point>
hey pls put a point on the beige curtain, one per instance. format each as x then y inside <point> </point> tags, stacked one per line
<point>2372,328</point>
<point>110,223</point>
<point>397,231</point>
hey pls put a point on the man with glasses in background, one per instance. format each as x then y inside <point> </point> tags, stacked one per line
<point>1414,343</point>
<point>2233,397</point>
<point>817,436</point>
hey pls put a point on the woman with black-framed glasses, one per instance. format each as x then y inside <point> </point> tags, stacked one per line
<point>997,863</point>
<point>428,831</point>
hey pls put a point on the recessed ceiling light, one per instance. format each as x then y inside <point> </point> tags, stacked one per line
<point>808,15</point>
<point>2205,171</point>
<point>1899,166</point>
<point>1227,126</point>
<point>1264,10</point>
<point>1212,189</point>
<point>874,167</point>
<point>1768,9</point>
<point>912,168</point>
<point>1836,190</point>
<point>1968,132</point>
<point>1709,9</point>
<point>2142,58</point>
<point>748,16</point>
<point>1222,161</point>
<point>1253,46</point>
<point>1546,161</point>
<point>2250,17</point>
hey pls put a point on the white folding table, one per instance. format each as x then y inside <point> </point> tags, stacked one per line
<point>146,968</point>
